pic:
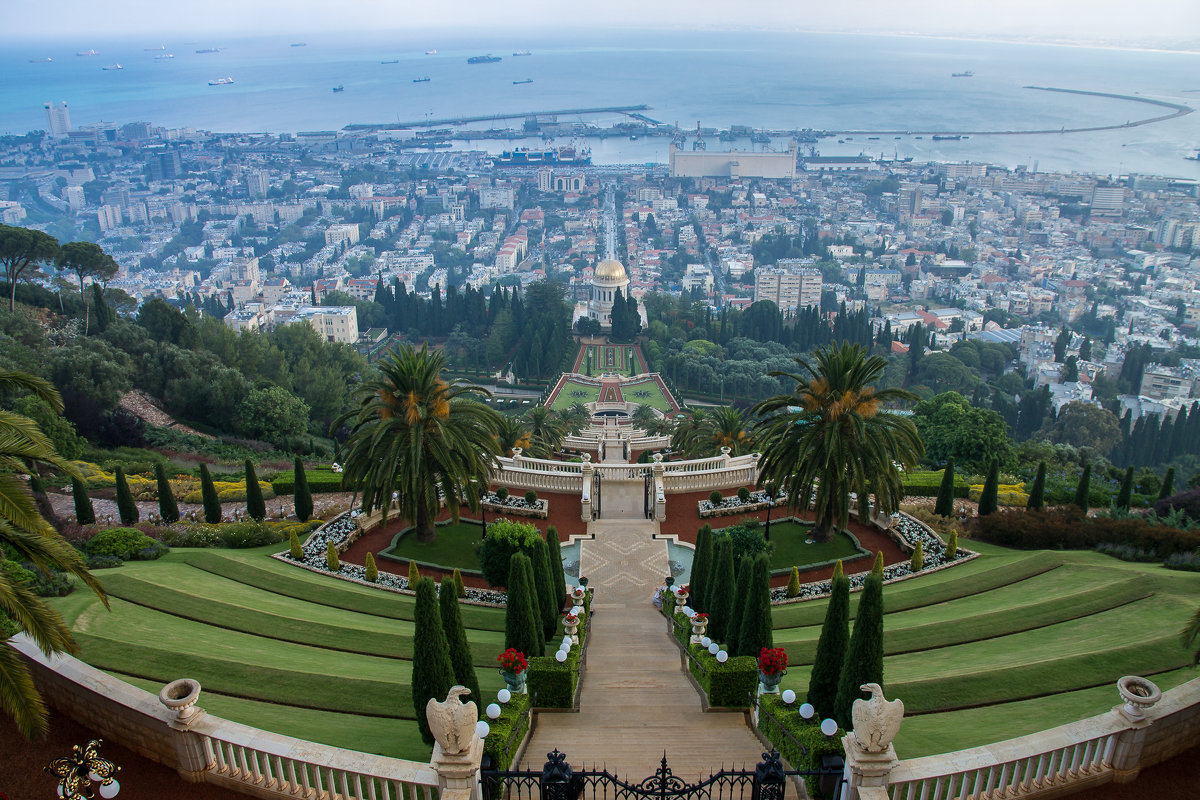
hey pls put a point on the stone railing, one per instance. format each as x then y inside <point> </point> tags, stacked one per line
<point>583,441</point>
<point>520,472</point>
<point>650,442</point>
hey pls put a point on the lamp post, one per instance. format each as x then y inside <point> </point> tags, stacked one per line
<point>77,772</point>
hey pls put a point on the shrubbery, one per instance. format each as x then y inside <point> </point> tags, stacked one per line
<point>799,741</point>
<point>126,544</point>
<point>1069,528</point>
<point>504,539</point>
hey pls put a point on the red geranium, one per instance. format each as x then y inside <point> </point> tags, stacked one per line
<point>772,660</point>
<point>700,615</point>
<point>513,660</point>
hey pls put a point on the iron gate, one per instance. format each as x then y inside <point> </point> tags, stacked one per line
<point>595,495</point>
<point>558,780</point>
<point>648,495</point>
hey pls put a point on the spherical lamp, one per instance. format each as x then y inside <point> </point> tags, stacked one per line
<point>493,710</point>
<point>788,696</point>
<point>722,656</point>
<point>482,729</point>
<point>828,727</point>
<point>807,711</point>
<point>504,695</point>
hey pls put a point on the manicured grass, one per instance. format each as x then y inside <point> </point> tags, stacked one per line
<point>455,545</point>
<point>573,392</point>
<point>646,392</point>
<point>789,549</point>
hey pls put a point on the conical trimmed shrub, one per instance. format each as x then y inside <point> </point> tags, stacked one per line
<point>168,509</point>
<point>1126,493</point>
<point>702,559</point>
<point>432,671</point>
<point>1037,493</point>
<point>1084,487</point>
<point>557,575</point>
<point>208,494</point>
<point>456,639</point>
<point>720,598</point>
<point>521,623</point>
<point>544,583</point>
<point>987,498</point>
<point>864,657</point>
<point>793,587</point>
<point>756,630</point>
<point>741,591</point>
<point>831,647</point>
<point>945,498</point>
<point>952,544</point>
<point>294,548</point>
<point>460,588</point>
<point>372,571</point>
<point>535,602</point>
<point>917,561</point>
<point>84,513</point>
<point>126,508</point>
<point>414,573</point>
<point>332,562</point>
<point>1168,484</point>
<point>303,495</point>
<point>256,507</point>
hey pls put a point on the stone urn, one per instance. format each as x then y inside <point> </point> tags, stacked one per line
<point>577,595</point>
<point>514,681</point>
<point>769,684</point>
<point>699,626</point>
<point>180,696</point>
<point>571,627</point>
<point>681,596</point>
<point>1138,694</point>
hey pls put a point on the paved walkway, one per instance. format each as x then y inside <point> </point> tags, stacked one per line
<point>636,701</point>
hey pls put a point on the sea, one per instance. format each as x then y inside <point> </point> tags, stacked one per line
<point>714,79</point>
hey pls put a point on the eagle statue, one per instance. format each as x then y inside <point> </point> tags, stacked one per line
<point>451,721</point>
<point>876,721</point>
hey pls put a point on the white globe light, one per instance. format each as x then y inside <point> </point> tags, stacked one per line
<point>807,711</point>
<point>482,729</point>
<point>92,776</point>
<point>108,790</point>
<point>828,727</point>
<point>493,710</point>
<point>788,696</point>
<point>61,793</point>
<point>713,647</point>
<point>504,695</point>
<point>705,642</point>
<point>560,656</point>
<point>722,656</point>
<point>687,611</point>
<point>577,610</point>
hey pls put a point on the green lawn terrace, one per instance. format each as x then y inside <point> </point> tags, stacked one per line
<point>649,389</point>
<point>620,359</point>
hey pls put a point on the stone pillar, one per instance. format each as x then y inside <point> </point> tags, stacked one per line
<point>1138,695</point>
<point>585,511</point>
<point>194,755</point>
<point>866,770</point>
<point>725,457</point>
<point>458,774</point>
<point>660,498</point>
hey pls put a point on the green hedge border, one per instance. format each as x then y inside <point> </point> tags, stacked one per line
<point>800,742</point>
<point>385,554</point>
<point>555,684</point>
<point>730,685</point>
<point>829,562</point>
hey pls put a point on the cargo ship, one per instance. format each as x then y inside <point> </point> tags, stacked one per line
<point>112,67</point>
<point>422,79</point>
<point>523,53</point>
<point>339,88</point>
<point>964,74</point>
<point>209,50</point>
<point>550,156</point>
<point>527,80</point>
<point>221,82</point>
<point>298,44</point>
<point>941,137</point>
<point>87,53</point>
<point>488,59</point>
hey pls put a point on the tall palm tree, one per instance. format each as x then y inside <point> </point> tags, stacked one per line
<point>575,418</point>
<point>511,433</point>
<point>833,435</point>
<point>687,433</point>
<point>418,435</point>
<point>24,530</point>
<point>644,417</point>
<point>713,429</point>
<point>546,431</point>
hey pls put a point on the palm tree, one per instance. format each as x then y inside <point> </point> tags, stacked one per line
<point>685,439</point>
<point>709,431</point>
<point>831,436</point>
<point>417,435</point>
<point>575,418</point>
<point>512,432</point>
<point>644,417</point>
<point>27,533</point>
<point>546,431</point>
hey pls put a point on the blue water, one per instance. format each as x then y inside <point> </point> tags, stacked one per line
<point>755,79</point>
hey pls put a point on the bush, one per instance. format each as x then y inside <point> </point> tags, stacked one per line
<point>1069,528</point>
<point>320,481</point>
<point>918,558</point>
<point>715,497</point>
<point>1189,562</point>
<point>793,587</point>
<point>952,544</point>
<point>927,484</point>
<point>522,625</point>
<point>84,514</point>
<point>103,562</point>
<point>303,500</point>
<point>168,508</point>
<point>294,548</point>
<point>502,494</point>
<point>123,543</point>
<point>460,588</point>
<point>746,538</point>
<point>126,508</point>
<point>728,685</point>
<point>414,573</point>
<point>505,539</point>
<point>1186,502</point>
<point>372,571</point>
<point>509,726</point>
<point>331,558</point>
<point>54,583</point>
<point>800,742</point>
<point>551,684</point>
<point>253,533</point>
<point>256,507</point>
<point>743,495</point>
<point>208,496</point>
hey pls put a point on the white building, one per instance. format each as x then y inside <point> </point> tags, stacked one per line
<point>58,120</point>
<point>788,288</point>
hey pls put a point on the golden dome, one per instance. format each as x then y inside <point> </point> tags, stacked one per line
<point>610,270</point>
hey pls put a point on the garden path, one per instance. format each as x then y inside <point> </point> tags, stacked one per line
<point>636,701</point>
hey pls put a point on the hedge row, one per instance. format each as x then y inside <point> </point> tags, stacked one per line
<point>554,683</point>
<point>800,742</point>
<point>1069,528</point>
<point>728,685</point>
<point>320,481</point>
<point>927,484</point>
<point>509,726</point>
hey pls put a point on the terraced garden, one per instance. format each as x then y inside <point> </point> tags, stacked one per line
<point>273,646</point>
<point>1013,642</point>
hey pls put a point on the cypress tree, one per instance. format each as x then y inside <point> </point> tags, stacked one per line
<point>987,498</point>
<point>456,639</point>
<point>720,598</point>
<point>256,507</point>
<point>864,657</point>
<point>535,603</point>
<point>918,558</point>
<point>414,574</point>
<point>1084,487</point>
<point>370,568</point>
<point>945,498</point>
<point>84,513</point>
<point>126,508</point>
<point>793,587</point>
<point>952,544</point>
<point>1037,494</point>
<point>701,565</point>
<point>168,509</point>
<point>294,548</point>
<point>460,589</point>
<point>557,575</point>
<point>432,671</point>
<point>332,562</point>
<point>1126,493</point>
<point>756,616</point>
<point>831,647</point>
<point>208,493</point>
<point>1168,484</point>
<point>544,583</point>
<point>737,610</point>
<point>303,495</point>
<point>521,625</point>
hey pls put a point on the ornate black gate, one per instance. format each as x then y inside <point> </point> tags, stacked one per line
<point>558,780</point>
<point>648,495</point>
<point>596,495</point>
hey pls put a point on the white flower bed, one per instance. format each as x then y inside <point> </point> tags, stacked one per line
<point>517,506</point>
<point>342,530</point>
<point>734,504</point>
<point>908,531</point>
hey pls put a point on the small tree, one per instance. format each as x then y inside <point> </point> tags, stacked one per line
<point>756,629</point>
<point>945,497</point>
<point>793,587</point>
<point>432,670</point>
<point>1126,493</point>
<point>715,497</point>
<point>720,598</point>
<point>831,646</point>
<point>864,657</point>
<point>952,544</point>
<point>456,639</point>
<point>84,513</point>
<point>531,498</point>
<point>744,496</point>
<point>544,584</point>
<point>208,494</point>
<point>414,573</point>
<point>502,494</point>
<point>918,558</point>
<point>168,509</point>
<point>556,567</point>
<point>256,507</point>
<point>737,609</point>
<point>1037,493</point>
<point>701,565</point>
<point>521,623</point>
<point>126,508</point>
<point>332,562</point>
<point>1168,484</point>
<point>460,589</point>
<point>370,568</point>
<point>303,495</point>
<point>1084,487</point>
<point>988,497</point>
<point>294,548</point>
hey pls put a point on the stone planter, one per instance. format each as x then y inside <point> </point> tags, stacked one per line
<point>180,696</point>
<point>1139,694</point>
<point>681,599</point>
<point>572,630</point>
<point>699,627</point>
<point>514,681</point>
<point>769,684</point>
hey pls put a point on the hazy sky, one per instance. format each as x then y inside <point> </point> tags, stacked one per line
<point>1172,20</point>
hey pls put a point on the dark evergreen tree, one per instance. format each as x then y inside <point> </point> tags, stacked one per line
<point>303,495</point>
<point>756,631</point>
<point>701,567</point>
<point>208,494</point>
<point>432,671</point>
<point>1126,493</point>
<point>256,507</point>
<point>987,498</point>
<point>1084,487</point>
<point>557,575</point>
<point>168,509</point>
<point>84,513</point>
<point>456,639</point>
<point>737,610</point>
<point>831,647</point>
<point>1168,484</point>
<point>720,598</point>
<point>945,498</point>
<point>127,510</point>
<point>522,625</point>
<point>1037,493</point>
<point>864,657</point>
<point>544,584</point>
